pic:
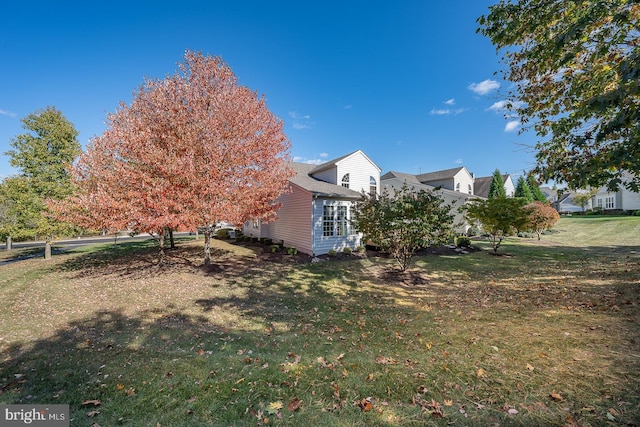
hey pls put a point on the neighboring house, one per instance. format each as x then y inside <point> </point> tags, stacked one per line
<point>395,180</point>
<point>482,185</point>
<point>622,199</point>
<point>565,204</point>
<point>315,214</point>
<point>456,179</point>
<point>550,194</point>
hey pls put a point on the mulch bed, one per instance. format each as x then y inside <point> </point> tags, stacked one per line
<point>371,252</point>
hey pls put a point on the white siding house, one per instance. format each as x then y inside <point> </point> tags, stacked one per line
<point>482,185</point>
<point>395,180</point>
<point>622,199</point>
<point>315,215</point>
<point>456,179</point>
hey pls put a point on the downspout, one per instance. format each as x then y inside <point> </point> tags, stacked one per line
<point>313,226</point>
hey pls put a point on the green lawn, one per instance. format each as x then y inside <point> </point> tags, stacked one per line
<point>548,334</point>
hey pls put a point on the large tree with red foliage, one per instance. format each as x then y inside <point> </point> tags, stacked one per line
<point>190,150</point>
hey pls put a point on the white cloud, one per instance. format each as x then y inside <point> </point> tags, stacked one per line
<point>323,155</point>
<point>319,161</point>
<point>300,121</point>
<point>512,126</point>
<point>504,106</point>
<point>347,107</point>
<point>450,102</point>
<point>445,111</point>
<point>484,87</point>
<point>7,113</point>
<point>459,161</point>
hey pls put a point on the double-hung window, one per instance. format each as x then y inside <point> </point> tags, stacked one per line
<point>609,203</point>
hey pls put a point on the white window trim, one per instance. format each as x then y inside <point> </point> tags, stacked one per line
<point>335,226</point>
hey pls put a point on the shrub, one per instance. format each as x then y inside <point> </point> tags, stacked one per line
<point>361,249</point>
<point>275,248</point>
<point>332,253</point>
<point>266,241</point>
<point>473,231</point>
<point>222,233</point>
<point>526,235</point>
<point>347,251</point>
<point>636,213</point>
<point>463,241</point>
<point>291,251</point>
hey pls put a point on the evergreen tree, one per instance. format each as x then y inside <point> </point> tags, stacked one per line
<point>523,191</point>
<point>497,186</point>
<point>538,195</point>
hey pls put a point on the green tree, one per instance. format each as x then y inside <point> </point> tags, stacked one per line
<point>498,217</point>
<point>403,222</point>
<point>582,198</point>
<point>523,190</point>
<point>576,74</point>
<point>536,192</point>
<point>496,189</point>
<point>42,156</point>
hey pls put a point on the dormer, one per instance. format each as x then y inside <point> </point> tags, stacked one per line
<point>355,171</point>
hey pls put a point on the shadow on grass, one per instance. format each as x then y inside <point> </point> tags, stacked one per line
<point>193,366</point>
<point>167,367</point>
<point>143,259</point>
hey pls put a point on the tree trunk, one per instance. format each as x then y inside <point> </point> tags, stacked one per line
<point>172,243</point>
<point>161,241</point>
<point>9,244</point>
<point>207,247</point>
<point>47,249</point>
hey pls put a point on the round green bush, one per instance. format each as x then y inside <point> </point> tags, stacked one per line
<point>463,241</point>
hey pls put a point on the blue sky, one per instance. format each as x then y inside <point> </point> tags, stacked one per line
<point>409,82</point>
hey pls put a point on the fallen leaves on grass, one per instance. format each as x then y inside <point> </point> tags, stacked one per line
<point>92,402</point>
<point>365,404</point>
<point>382,360</point>
<point>556,396</point>
<point>294,405</point>
<point>276,406</point>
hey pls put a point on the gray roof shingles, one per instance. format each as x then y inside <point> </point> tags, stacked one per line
<point>304,180</point>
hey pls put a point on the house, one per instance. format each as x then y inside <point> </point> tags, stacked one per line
<point>395,180</point>
<point>623,199</point>
<point>482,185</point>
<point>456,179</point>
<point>565,203</point>
<point>315,214</point>
<point>550,194</point>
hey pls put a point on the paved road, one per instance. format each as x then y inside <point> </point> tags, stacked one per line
<point>62,245</point>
